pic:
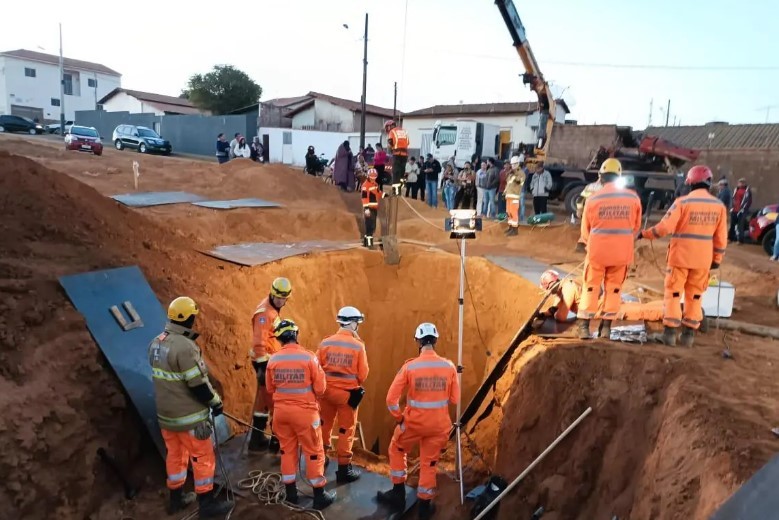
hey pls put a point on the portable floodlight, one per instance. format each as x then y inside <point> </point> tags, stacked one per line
<point>462,223</point>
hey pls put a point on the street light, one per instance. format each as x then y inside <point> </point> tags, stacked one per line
<point>463,224</point>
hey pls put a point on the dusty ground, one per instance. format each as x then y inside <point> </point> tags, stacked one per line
<point>672,434</point>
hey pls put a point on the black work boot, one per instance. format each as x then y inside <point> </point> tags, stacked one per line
<point>323,498</point>
<point>273,445</point>
<point>583,329</point>
<point>669,336</point>
<point>211,506</point>
<point>687,337</point>
<point>346,473</point>
<point>426,509</point>
<point>179,500</point>
<point>395,498</point>
<point>258,441</point>
<point>604,332</point>
<point>512,232</point>
<point>291,491</point>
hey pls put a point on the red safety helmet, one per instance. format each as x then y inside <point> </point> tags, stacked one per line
<point>699,174</point>
<point>389,124</point>
<point>373,174</point>
<point>549,278</point>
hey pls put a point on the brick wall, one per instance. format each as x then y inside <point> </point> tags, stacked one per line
<point>574,146</point>
<point>759,167</point>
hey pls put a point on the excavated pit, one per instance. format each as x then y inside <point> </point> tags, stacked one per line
<point>671,435</point>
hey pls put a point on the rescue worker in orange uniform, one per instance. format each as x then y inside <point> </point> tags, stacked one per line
<point>610,222</point>
<point>432,385</point>
<point>398,141</point>
<point>264,344</point>
<point>567,294</point>
<point>698,225</point>
<point>185,402</point>
<point>371,194</point>
<point>515,182</point>
<point>345,363</point>
<point>295,379</point>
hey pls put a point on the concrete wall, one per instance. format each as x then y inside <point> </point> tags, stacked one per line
<point>327,142</point>
<point>4,105</point>
<point>575,145</point>
<point>759,167</point>
<point>373,123</point>
<point>305,118</point>
<point>123,102</point>
<point>195,134</point>
<point>38,92</point>
<point>271,116</point>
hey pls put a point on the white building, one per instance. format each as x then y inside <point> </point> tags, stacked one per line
<point>518,121</point>
<point>316,111</point>
<point>137,102</point>
<point>30,85</point>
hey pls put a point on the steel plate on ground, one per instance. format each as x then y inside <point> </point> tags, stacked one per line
<point>525,267</point>
<point>354,501</point>
<point>756,498</point>
<point>123,315</point>
<point>237,203</point>
<point>156,198</point>
<point>258,253</point>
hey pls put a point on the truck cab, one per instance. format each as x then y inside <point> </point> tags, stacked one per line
<point>464,138</point>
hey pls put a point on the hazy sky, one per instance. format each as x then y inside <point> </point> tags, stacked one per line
<point>455,50</point>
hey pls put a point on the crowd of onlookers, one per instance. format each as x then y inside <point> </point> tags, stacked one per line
<point>238,148</point>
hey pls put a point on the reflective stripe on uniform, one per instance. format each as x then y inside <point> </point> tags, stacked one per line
<point>692,236</point>
<point>398,474</point>
<point>705,201</point>
<point>316,481</point>
<point>718,250</point>
<point>428,405</point>
<point>204,481</point>
<point>340,375</point>
<point>291,357</point>
<point>166,375</point>
<point>288,479</point>
<point>601,231</point>
<point>178,477</point>
<point>393,407</point>
<point>344,344</point>
<point>617,195</point>
<point>428,364</point>
<point>295,390</point>
<point>426,491</point>
<point>317,423</point>
<point>186,420</point>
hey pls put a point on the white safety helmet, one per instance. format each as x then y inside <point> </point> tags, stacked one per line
<point>515,160</point>
<point>424,330</point>
<point>349,315</point>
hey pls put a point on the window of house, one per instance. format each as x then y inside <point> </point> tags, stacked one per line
<point>92,83</point>
<point>286,138</point>
<point>55,102</point>
<point>30,73</point>
<point>68,80</point>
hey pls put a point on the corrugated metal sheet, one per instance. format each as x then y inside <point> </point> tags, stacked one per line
<point>724,136</point>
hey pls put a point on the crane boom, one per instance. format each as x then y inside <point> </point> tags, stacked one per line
<point>533,76</point>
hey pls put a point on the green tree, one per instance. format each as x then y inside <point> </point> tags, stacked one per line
<point>222,90</point>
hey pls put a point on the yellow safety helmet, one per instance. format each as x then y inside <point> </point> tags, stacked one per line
<point>182,308</point>
<point>611,165</point>
<point>286,327</point>
<point>281,288</point>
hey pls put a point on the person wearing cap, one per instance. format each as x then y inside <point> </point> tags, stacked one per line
<point>742,201</point>
<point>431,384</point>
<point>398,141</point>
<point>431,169</point>
<point>567,293</point>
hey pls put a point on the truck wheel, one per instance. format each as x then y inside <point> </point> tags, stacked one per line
<point>570,199</point>
<point>768,241</point>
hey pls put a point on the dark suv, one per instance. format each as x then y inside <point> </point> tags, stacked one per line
<point>19,124</point>
<point>140,138</point>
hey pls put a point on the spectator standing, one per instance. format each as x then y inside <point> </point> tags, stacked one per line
<point>242,150</point>
<point>465,198</point>
<point>481,186</point>
<point>257,150</point>
<point>233,144</point>
<point>412,177</point>
<point>379,164</point>
<point>491,188</point>
<point>343,171</point>
<point>422,182</point>
<point>742,201</point>
<point>525,187</point>
<point>449,188</point>
<point>360,170</point>
<point>432,169</point>
<point>369,154</point>
<point>222,149</point>
<point>540,186</point>
<point>724,194</point>
<point>502,189</point>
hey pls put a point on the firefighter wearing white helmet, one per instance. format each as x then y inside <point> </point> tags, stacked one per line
<point>432,385</point>
<point>345,363</point>
<point>515,182</point>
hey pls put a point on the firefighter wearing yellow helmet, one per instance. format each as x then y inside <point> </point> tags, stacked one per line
<point>265,344</point>
<point>610,165</point>
<point>185,400</point>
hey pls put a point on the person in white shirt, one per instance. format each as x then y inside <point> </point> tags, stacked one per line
<point>242,150</point>
<point>540,186</point>
<point>412,177</point>
<point>233,144</point>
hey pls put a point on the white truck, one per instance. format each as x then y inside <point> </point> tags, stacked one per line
<point>464,138</point>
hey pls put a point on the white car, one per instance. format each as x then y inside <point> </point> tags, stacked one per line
<point>54,128</point>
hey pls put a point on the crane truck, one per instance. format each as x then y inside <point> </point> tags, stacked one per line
<point>650,164</point>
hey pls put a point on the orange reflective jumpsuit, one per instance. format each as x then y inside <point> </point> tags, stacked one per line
<point>698,225</point>
<point>370,195</point>
<point>264,343</point>
<point>342,357</point>
<point>398,141</point>
<point>610,223</point>
<point>295,379</point>
<point>432,385</point>
<point>567,299</point>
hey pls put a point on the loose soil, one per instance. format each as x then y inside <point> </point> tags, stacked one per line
<point>672,433</point>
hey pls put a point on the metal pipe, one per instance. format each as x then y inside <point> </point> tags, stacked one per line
<point>364,84</point>
<point>460,301</point>
<point>534,464</point>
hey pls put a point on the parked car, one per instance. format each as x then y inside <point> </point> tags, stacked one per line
<point>762,227</point>
<point>140,138</point>
<point>84,139</point>
<point>54,128</point>
<point>19,124</point>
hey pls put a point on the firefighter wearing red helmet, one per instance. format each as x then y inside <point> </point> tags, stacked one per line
<point>397,138</point>
<point>698,226</point>
<point>370,194</point>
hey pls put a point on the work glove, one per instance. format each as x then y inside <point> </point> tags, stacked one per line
<point>714,265</point>
<point>203,431</point>
<point>368,212</point>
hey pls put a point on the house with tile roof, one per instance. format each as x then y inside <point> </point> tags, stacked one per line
<point>138,102</point>
<point>30,85</point>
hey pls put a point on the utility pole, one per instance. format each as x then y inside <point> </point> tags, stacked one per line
<point>649,123</point>
<point>364,84</point>
<point>62,87</point>
<point>668,113</point>
<point>395,103</point>
<point>95,78</point>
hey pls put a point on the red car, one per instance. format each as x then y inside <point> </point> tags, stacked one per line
<point>84,139</point>
<point>762,227</point>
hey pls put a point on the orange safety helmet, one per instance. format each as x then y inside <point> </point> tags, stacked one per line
<point>373,174</point>
<point>549,278</point>
<point>389,125</point>
<point>700,174</point>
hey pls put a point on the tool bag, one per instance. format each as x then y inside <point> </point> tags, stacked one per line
<point>355,397</point>
<point>494,487</point>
